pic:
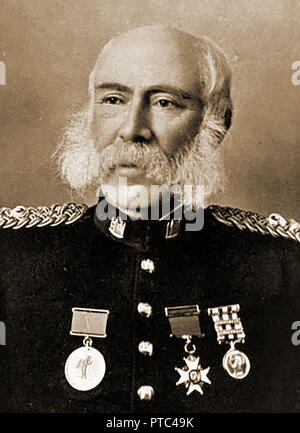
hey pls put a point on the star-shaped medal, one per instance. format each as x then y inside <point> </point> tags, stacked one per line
<point>192,374</point>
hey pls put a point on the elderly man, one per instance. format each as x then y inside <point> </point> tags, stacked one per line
<point>149,302</point>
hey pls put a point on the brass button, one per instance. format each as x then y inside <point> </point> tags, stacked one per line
<point>145,392</point>
<point>146,348</point>
<point>147,265</point>
<point>144,309</point>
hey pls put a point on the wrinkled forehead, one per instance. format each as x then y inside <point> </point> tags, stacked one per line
<point>150,56</point>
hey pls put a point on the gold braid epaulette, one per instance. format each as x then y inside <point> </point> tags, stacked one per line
<point>274,224</point>
<point>67,213</point>
<point>41,216</point>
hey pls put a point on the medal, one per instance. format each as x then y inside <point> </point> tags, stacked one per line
<point>184,323</point>
<point>85,366</point>
<point>236,363</point>
<point>229,330</point>
<point>192,375</point>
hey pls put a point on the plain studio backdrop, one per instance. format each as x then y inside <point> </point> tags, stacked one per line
<point>50,47</point>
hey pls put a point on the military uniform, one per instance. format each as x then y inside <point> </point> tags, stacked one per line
<point>55,259</point>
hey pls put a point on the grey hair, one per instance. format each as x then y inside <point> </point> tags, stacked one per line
<point>216,83</point>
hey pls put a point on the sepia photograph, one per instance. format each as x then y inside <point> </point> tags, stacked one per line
<point>149,209</point>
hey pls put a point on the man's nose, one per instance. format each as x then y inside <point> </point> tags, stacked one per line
<point>136,125</point>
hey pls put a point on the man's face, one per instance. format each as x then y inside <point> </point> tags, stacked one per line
<point>147,91</point>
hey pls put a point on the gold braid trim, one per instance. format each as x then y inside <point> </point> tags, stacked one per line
<point>274,224</point>
<point>41,216</point>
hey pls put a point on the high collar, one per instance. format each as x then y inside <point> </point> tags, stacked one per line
<point>141,234</point>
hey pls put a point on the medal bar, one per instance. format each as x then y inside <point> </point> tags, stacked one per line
<point>184,323</point>
<point>229,329</point>
<point>85,366</point>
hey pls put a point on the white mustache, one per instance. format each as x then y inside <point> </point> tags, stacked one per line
<point>130,154</point>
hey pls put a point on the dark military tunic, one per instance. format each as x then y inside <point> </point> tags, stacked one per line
<point>45,271</point>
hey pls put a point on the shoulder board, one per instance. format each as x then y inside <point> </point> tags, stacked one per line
<point>41,216</point>
<point>274,224</point>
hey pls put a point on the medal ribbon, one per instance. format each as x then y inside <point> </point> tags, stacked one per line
<point>184,320</point>
<point>89,322</point>
<point>227,323</point>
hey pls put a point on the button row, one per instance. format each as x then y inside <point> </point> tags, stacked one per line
<point>145,392</point>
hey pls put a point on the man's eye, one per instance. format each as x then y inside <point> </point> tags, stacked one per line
<point>112,100</point>
<point>166,103</point>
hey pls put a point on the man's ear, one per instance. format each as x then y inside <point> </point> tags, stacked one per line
<point>227,118</point>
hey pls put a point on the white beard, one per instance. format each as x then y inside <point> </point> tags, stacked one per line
<point>83,167</point>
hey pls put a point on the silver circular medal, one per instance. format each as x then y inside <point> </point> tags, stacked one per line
<point>236,363</point>
<point>85,368</point>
